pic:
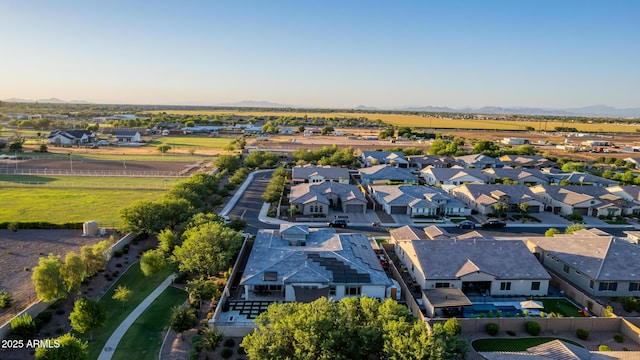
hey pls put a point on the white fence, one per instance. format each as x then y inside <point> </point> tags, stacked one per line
<point>68,172</point>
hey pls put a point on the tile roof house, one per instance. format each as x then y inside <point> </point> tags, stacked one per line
<point>393,158</point>
<point>584,200</point>
<point>384,174</point>
<point>295,264</point>
<point>314,198</point>
<point>551,350</point>
<point>417,201</point>
<point>474,266</point>
<point>70,137</point>
<point>128,136</point>
<point>422,161</point>
<point>318,174</point>
<point>629,193</point>
<point>578,178</point>
<point>598,265</point>
<point>482,198</point>
<point>453,176</point>
<point>522,176</point>
<point>478,161</point>
<point>432,232</point>
<point>527,161</point>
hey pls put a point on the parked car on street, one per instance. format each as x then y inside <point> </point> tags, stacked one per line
<point>494,223</point>
<point>466,224</point>
<point>338,223</point>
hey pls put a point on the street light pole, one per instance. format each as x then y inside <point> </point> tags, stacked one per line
<point>71,162</point>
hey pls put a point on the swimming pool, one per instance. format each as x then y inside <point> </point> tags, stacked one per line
<point>488,310</point>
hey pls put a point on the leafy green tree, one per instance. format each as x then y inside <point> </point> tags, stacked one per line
<point>207,249</point>
<point>265,159</point>
<point>167,241</point>
<point>500,209</point>
<point>23,327</point>
<point>551,232</point>
<point>229,162</point>
<point>573,228</point>
<point>443,147</point>
<point>628,177</point>
<point>452,327</point>
<point>607,174</point>
<point>485,147</point>
<point>95,257</point>
<point>183,318</point>
<point>48,280</point>
<point>15,146</point>
<point>524,208</point>
<point>6,299</point>
<point>143,216</point>
<point>152,262</point>
<point>70,348</point>
<point>574,167</point>
<point>327,130</point>
<point>164,148</point>
<point>73,272</point>
<point>122,294</point>
<point>86,316</point>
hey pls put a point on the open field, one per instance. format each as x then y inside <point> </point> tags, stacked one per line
<point>197,142</point>
<point>144,337</point>
<point>88,182</point>
<point>69,205</point>
<point>420,121</point>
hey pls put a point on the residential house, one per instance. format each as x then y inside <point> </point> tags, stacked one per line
<point>483,198</point>
<point>417,201</point>
<point>529,177</point>
<point>318,174</point>
<point>128,136</point>
<point>296,264</point>
<point>70,137</point>
<point>453,176</point>
<point>318,198</point>
<point>577,178</point>
<point>582,200</point>
<point>286,130</point>
<point>527,161</point>
<point>432,232</point>
<point>420,162</point>
<point>598,265</point>
<point>472,267</point>
<point>385,174</point>
<point>631,194</point>
<point>514,141</point>
<point>393,158</point>
<point>478,161</point>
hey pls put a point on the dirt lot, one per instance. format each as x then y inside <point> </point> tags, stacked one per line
<point>19,254</point>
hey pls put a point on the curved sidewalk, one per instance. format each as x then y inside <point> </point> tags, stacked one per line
<point>111,344</point>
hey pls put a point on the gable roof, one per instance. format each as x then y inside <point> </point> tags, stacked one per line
<point>407,233</point>
<point>384,156</point>
<point>516,174</point>
<point>481,193</point>
<point>451,174</point>
<point>413,195</point>
<point>565,194</point>
<point>326,171</point>
<point>386,172</point>
<point>309,192</point>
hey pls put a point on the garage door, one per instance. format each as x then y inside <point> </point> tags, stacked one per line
<point>398,209</point>
<point>533,209</point>
<point>357,208</point>
<point>581,211</point>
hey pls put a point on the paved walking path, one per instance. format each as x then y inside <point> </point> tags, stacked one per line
<point>111,345</point>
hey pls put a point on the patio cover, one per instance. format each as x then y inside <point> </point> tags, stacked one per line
<point>447,297</point>
<point>529,304</point>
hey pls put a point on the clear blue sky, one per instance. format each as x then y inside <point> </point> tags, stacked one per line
<point>324,53</point>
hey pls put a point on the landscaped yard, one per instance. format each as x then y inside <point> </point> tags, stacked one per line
<point>520,344</point>
<point>140,286</point>
<point>560,306</point>
<point>144,338</point>
<point>69,205</point>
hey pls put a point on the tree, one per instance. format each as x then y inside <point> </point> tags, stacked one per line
<point>452,327</point>
<point>183,318</point>
<point>327,130</point>
<point>43,148</point>
<point>6,299</point>
<point>628,177</point>
<point>573,228</point>
<point>167,241</point>
<point>207,249</point>
<point>87,315</point>
<point>143,217</point>
<point>500,209</point>
<point>551,232</point>
<point>122,294</point>
<point>48,279</point>
<point>524,208</point>
<point>23,327</point>
<point>607,174</point>
<point>152,262</point>
<point>95,257</point>
<point>164,148</point>
<point>73,272</point>
<point>229,162</point>
<point>69,348</point>
<point>15,146</point>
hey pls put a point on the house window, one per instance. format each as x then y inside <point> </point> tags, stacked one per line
<point>634,286</point>
<point>275,287</point>
<point>352,290</point>
<point>608,286</point>
<point>505,285</point>
<point>332,290</point>
<point>535,285</point>
<point>566,269</point>
<point>440,285</point>
<point>591,283</point>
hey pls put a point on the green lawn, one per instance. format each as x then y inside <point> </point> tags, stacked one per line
<point>69,205</point>
<point>507,344</point>
<point>193,141</point>
<point>144,337</point>
<point>153,156</point>
<point>141,286</point>
<point>89,181</point>
<point>560,306</point>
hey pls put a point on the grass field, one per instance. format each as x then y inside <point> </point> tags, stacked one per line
<point>561,306</point>
<point>69,205</point>
<point>193,141</point>
<point>432,122</point>
<point>89,181</point>
<point>119,154</point>
<point>140,286</point>
<point>144,337</point>
<point>505,344</point>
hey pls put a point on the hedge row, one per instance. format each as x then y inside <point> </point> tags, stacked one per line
<point>39,225</point>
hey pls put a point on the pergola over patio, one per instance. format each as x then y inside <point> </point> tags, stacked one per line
<point>450,300</point>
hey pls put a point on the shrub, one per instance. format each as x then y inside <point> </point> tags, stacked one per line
<point>452,327</point>
<point>241,350</point>
<point>511,333</point>
<point>24,327</point>
<point>45,316</point>
<point>226,352</point>
<point>5,299</point>
<point>196,341</point>
<point>211,339</point>
<point>619,338</point>
<point>229,342</point>
<point>193,354</point>
<point>628,303</point>
<point>492,329</point>
<point>118,253</point>
<point>532,328</point>
<point>603,348</point>
<point>582,334</point>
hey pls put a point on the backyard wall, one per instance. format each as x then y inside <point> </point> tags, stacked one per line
<point>578,296</point>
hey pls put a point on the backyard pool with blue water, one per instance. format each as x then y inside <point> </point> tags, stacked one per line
<point>485,310</point>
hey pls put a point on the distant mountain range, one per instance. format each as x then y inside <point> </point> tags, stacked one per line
<point>588,111</point>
